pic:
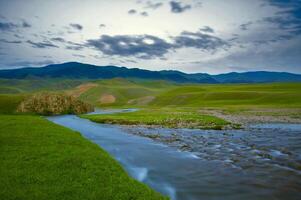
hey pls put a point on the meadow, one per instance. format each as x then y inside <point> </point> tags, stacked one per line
<point>171,118</point>
<point>41,160</point>
<point>196,105</point>
<point>178,105</point>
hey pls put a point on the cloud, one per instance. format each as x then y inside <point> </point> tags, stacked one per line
<point>41,45</point>
<point>26,24</point>
<point>288,18</point>
<point>30,63</point>
<point>11,41</point>
<point>148,46</point>
<point>77,26</point>
<point>140,46</point>
<point>207,29</point>
<point>58,39</point>
<point>102,25</point>
<point>245,26</point>
<point>144,14</point>
<point>153,5</point>
<point>74,46</point>
<point>132,11</point>
<point>69,45</point>
<point>176,7</point>
<point>199,40</point>
<point>7,26</point>
<point>10,26</point>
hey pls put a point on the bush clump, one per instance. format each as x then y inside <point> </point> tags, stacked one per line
<point>53,104</point>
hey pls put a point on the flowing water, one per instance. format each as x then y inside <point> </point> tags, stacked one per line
<point>260,162</point>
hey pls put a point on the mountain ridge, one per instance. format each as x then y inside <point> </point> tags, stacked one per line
<point>76,70</point>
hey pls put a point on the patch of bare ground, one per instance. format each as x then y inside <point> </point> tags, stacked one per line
<point>141,101</point>
<point>107,99</point>
<point>257,115</point>
<point>81,89</point>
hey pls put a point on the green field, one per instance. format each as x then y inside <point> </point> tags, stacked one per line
<point>172,118</point>
<point>182,103</point>
<point>287,95</point>
<point>17,86</point>
<point>133,93</point>
<point>142,93</point>
<point>41,160</point>
<point>9,103</point>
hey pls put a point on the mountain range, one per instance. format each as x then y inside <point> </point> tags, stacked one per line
<point>75,70</point>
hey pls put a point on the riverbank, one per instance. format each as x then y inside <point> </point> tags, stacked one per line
<point>204,164</point>
<point>41,160</point>
<point>198,118</point>
<point>245,116</point>
<point>164,117</point>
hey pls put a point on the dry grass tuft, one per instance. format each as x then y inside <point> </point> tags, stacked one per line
<point>53,104</point>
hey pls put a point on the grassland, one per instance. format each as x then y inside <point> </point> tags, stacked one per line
<point>172,118</point>
<point>9,103</point>
<point>267,102</point>
<point>18,86</point>
<point>41,160</point>
<point>237,103</point>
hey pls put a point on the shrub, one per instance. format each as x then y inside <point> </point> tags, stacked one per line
<point>53,104</point>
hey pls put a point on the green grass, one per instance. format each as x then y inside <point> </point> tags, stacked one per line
<point>173,118</point>
<point>124,90</point>
<point>41,160</point>
<point>9,103</point>
<point>286,95</point>
<point>130,92</point>
<point>14,86</point>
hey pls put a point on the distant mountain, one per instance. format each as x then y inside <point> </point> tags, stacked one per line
<point>74,70</point>
<point>257,77</point>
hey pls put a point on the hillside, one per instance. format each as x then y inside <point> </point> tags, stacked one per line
<point>74,70</point>
<point>132,93</point>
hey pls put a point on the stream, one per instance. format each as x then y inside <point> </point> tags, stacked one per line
<point>262,161</point>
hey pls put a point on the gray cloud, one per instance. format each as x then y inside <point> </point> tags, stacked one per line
<point>42,45</point>
<point>288,18</point>
<point>7,26</point>
<point>11,41</point>
<point>30,63</point>
<point>148,46</point>
<point>176,7</point>
<point>76,26</point>
<point>26,24</point>
<point>207,29</point>
<point>140,46</point>
<point>10,26</point>
<point>144,14</point>
<point>58,39</point>
<point>152,5</point>
<point>102,25</point>
<point>245,26</point>
<point>74,46</point>
<point>132,11</point>
<point>199,40</point>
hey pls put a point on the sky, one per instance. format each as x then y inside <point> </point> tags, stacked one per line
<point>206,36</point>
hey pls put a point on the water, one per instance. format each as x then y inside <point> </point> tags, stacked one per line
<point>261,162</point>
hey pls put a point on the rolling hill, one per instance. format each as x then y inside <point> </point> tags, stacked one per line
<point>75,70</point>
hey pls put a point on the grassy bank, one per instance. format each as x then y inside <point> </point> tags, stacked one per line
<point>41,160</point>
<point>172,118</point>
<point>10,102</point>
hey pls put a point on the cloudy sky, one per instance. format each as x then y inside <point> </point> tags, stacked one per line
<point>209,36</point>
